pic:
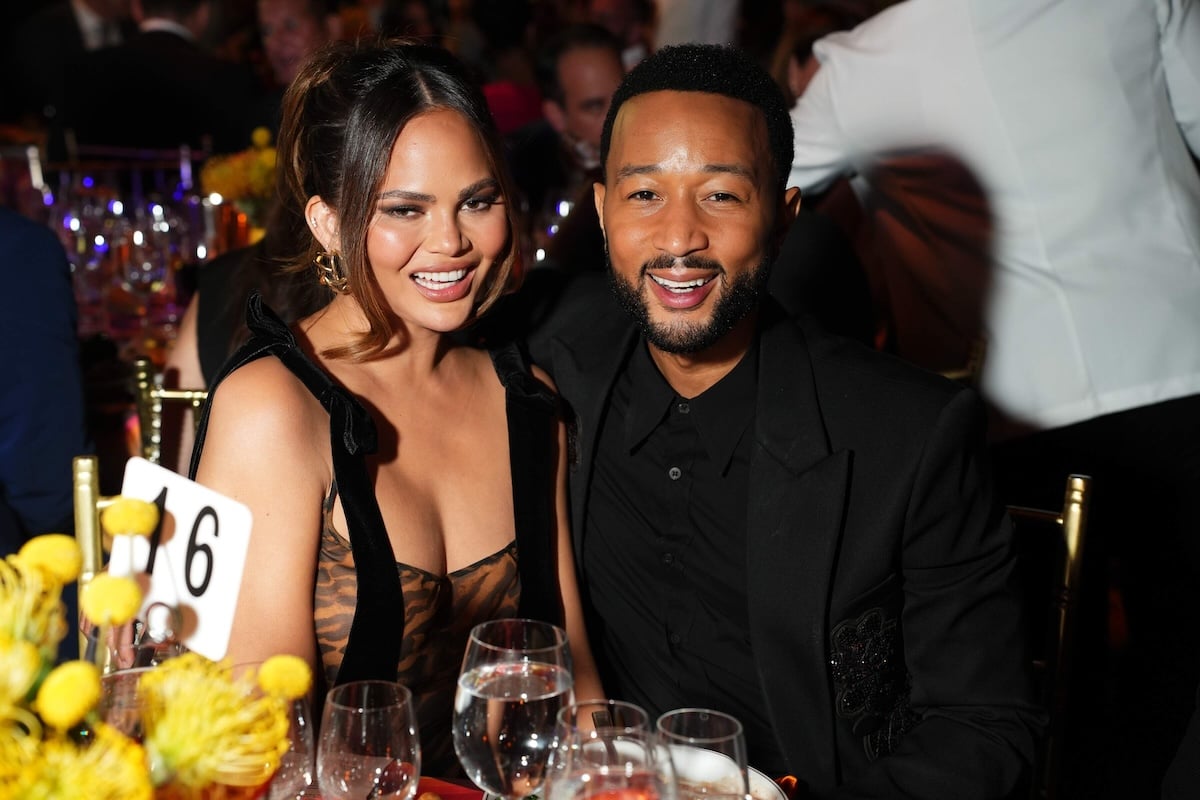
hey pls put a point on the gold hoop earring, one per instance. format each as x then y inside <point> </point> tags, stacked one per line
<point>331,271</point>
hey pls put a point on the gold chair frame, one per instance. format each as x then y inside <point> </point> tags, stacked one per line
<point>85,471</point>
<point>1071,524</point>
<point>150,397</point>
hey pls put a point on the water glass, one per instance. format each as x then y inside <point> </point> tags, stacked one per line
<point>516,675</point>
<point>368,746</point>
<point>611,764</point>
<point>708,750</point>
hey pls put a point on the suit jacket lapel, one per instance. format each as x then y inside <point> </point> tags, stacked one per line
<point>797,492</point>
<point>586,371</point>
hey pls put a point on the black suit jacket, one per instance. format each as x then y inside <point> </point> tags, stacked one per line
<point>159,90</point>
<point>884,616</point>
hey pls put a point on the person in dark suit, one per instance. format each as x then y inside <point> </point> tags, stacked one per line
<point>41,51</point>
<point>42,421</point>
<point>161,88</point>
<point>768,519</point>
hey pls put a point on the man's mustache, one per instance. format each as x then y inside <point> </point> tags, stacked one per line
<point>666,262</point>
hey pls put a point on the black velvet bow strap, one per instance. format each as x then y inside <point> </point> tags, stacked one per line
<point>373,648</point>
<point>532,437</point>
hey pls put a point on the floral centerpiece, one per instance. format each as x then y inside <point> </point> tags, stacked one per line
<point>246,179</point>
<point>209,731</point>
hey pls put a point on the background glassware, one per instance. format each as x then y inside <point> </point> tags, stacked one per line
<point>611,764</point>
<point>708,750</point>
<point>515,677</point>
<point>368,745</point>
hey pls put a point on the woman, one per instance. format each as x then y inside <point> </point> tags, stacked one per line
<point>373,450</point>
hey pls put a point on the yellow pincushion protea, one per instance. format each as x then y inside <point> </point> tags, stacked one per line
<point>128,516</point>
<point>20,665</point>
<point>110,599</point>
<point>56,553</point>
<point>203,727</point>
<point>285,676</point>
<point>106,766</point>
<point>30,605</point>
<point>68,693</point>
<point>20,730</point>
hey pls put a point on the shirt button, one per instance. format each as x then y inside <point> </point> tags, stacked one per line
<point>675,638</point>
<point>668,558</point>
<point>684,408</point>
<point>675,473</point>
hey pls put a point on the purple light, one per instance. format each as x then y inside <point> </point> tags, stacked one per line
<point>88,182</point>
<point>48,199</point>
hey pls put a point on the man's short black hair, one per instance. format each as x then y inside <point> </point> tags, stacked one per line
<point>715,69</point>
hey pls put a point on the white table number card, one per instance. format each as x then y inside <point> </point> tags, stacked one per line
<point>195,559</point>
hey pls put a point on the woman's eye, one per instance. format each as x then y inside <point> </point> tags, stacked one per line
<point>402,211</point>
<point>481,203</point>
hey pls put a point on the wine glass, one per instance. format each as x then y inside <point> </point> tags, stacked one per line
<point>611,764</point>
<point>708,749</point>
<point>591,714</point>
<point>368,746</point>
<point>516,675</point>
<point>296,776</point>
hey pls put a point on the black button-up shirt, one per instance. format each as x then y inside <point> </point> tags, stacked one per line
<point>664,549</point>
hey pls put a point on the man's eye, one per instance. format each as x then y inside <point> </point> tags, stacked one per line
<point>644,194</point>
<point>723,197</point>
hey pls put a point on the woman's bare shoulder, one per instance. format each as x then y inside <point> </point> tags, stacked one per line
<point>264,402</point>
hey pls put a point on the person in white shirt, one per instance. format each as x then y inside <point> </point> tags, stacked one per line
<point>1080,121</point>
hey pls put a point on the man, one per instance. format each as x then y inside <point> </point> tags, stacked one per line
<point>1080,122</point>
<point>161,89</point>
<point>290,31</point>
<point>768,520</point>
<point>556,159</point>
<point>42,421</point>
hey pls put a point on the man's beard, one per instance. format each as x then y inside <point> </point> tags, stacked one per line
<point>738,298</point>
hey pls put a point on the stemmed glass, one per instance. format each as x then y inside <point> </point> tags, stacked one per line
<point>516,675</point>
<point>368,746</point>
<point>588,715</point>
<point>611,764</point>
<point>708,749</point>
<point>297,769</point>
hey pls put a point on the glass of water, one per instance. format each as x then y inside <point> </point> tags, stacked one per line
<point>515,677</point>
<point>368,745</point>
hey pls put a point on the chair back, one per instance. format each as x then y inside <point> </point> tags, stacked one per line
<point>85,471</point>
<point>150,397</point>
<point>1050,547</point>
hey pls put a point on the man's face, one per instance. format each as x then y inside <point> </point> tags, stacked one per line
<point>290,32</point>
<point>688,209</point>
<point>588,77</point>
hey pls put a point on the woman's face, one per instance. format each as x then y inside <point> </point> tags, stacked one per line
<point>439,223</point>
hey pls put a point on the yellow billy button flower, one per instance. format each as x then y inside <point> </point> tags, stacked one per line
<point>68,693</point>
<point>56,553</point>
<point>110,599</point>
<point>203,727</point>
<point>128,516</point>
<point>285,676</point>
